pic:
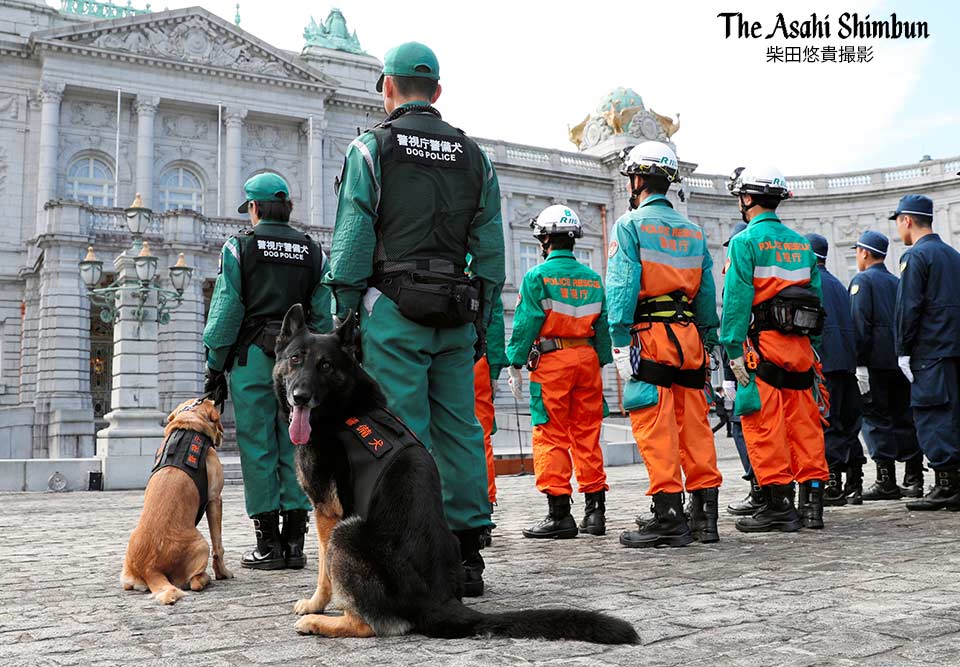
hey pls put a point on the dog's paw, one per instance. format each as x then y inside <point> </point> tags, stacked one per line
<point>310,625</point>
<point>307,606</point>
<point>170,595</point>
<point>223,573</point>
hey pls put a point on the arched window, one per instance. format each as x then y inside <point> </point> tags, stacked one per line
<point>90,179</point>
<point>181,187</point>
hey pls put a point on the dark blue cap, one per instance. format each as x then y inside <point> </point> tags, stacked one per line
<point>819,245</point>
<point>914,205</point>
<point>737,228</point>
<point>873,241</point>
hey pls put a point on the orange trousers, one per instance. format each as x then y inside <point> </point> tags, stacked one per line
<point>784,437</point>
<point>483,406</point>
<point>675,435</point>
<point>571,390</point>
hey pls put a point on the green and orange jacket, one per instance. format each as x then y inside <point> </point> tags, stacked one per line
<point>560,298</point>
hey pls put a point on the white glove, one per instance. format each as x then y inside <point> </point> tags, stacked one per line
<point>621,357</point>
<point>730,389</point>
<point>904,364</point>
<point>515,381</point>
<point>863,380</point>
<point>740,371</point>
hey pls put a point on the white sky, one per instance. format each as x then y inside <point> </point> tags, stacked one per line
<point>524,71</point>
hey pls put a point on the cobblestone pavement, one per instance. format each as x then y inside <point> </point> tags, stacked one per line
<point>878,587</point>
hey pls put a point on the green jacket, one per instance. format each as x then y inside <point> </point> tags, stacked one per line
<point>560,298</point>
<point>496,352</point>
<point>660,239</point>
<point>355,238</point>
<point>762,260</point>
<point>226,305</point>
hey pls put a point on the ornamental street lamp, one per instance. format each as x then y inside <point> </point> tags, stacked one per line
<point>147,281</point>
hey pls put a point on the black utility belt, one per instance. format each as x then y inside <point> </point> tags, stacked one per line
<point>781,378</point>
<point>667,376</point>
<point>436,300</point>
<point>262,334</point>
<point>667,308</point>
<point>795,311</point>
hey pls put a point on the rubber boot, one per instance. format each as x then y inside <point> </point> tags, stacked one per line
<point>667,528</point>
<point>269,552</point>
<point>559,523</point>
<point>594,513</point>
<point>810,505</point>
<point>294,528</point>
<point>833,494</point>
<point>777,514</point>
<point>749,505</point>
<point>853,488</point>
<point>913,479</point>
<point>471,560</point>
<point>945,494</point>
<point>885,488</point>
<point>702,512</point>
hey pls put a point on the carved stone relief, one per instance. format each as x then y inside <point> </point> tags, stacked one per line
<point>270,137</point>
<point>3,169</point>
<point>93,115</point>
<point>9,106</point>
<point>184,127</point>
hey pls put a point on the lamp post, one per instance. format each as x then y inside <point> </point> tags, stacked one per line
<point>136,304</point>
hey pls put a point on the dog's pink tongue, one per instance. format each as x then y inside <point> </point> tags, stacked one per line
<point>300,426</point>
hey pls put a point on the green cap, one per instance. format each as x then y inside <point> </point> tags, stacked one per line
<point>264,187</point>
<point>410,59</point>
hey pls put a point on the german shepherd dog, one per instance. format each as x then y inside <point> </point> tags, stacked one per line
<point>397,569</point>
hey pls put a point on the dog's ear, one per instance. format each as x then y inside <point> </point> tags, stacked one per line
<point>346,330</point>
<point>293,324</point>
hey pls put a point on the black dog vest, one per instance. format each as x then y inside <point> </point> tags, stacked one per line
<point>372,443</point>
<point>187,450</point>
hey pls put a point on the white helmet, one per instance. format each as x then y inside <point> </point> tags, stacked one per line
<point>557,219</point>
<point>650,157</point>
<point>759,181</point>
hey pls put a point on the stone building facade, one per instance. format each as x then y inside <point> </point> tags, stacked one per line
<point>99,102</point>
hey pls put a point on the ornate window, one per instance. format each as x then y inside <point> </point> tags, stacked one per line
<point>528,257</point>
<point>584,256</point>
<point>90,179</point>
<point>180,187</point>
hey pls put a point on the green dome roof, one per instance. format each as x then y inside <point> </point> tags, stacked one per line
<point>619,99</point>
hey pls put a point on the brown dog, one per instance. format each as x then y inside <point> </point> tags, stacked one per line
<point>166,552</point>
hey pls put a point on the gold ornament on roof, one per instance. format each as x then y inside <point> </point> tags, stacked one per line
<point>669,126</point>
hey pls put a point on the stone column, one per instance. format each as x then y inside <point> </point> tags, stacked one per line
<point>146,108</point>
<point>313,129</point>
<point>62,403</point>
<point>51,94</point>
<point>181,340</point>
<point>508,248</point>
<point>128,444</point>
<point>233,119</point>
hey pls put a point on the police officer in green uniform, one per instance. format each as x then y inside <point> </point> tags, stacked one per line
<point>415,196</point>
<point>264,271</point>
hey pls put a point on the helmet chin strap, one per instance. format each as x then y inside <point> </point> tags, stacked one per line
<point>744,208</point>
<point>635,193</point>
<point>544,244</point>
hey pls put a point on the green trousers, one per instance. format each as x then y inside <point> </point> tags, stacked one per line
<point>266,453</point>
<point>427,377</point>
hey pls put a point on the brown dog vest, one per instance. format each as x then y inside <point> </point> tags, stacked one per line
<point>186,450</point>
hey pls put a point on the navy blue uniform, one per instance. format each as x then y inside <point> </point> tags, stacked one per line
<point>887,416</point>
<point>736,428</point>
<point>928,331</point>
<point>838,354</point>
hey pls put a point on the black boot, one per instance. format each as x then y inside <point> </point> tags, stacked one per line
<point>833,494</point>
<point>750,504</point>
<point>594,513</point>
<point>810,505</point>
<point>702,512</point>
<point>294,528</point>
<point>945,494</point>
<point>913,479</point>
<point>853,488</point>
<point>667,528</point>
<point>471,560</point>
<point>486,537</point>
<point>559,523</point>
<point>269,552</point>
<point>885,488</point>
<point>777,512</point>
